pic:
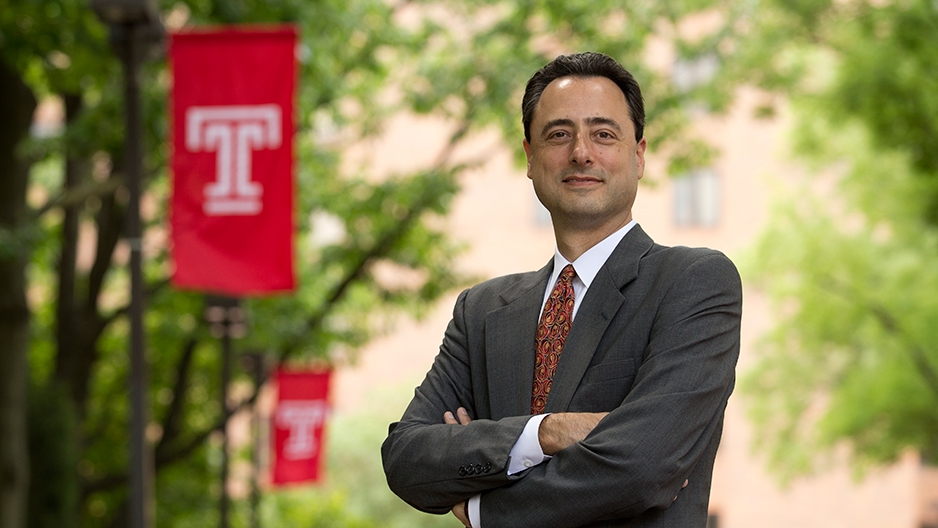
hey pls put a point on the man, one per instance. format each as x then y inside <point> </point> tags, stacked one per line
<point>614,420</point>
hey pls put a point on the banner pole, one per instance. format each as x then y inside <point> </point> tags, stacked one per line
<point>141,455</point>
<point>225,381</point>
<point>254,363</point>
<point>135,28</point>
<point>227,321</point>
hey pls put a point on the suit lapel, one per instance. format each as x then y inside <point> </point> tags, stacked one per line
<point>603,299</point>
<point>509,345</point>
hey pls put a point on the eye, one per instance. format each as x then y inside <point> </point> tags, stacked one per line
<point>557,136</point>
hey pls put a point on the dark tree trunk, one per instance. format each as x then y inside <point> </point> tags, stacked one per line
<point>78,322</point>
<point>17,104</point>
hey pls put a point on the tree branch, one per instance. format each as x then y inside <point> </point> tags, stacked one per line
<point>378,250</point>
<point>891,325</point>
<point>151,290</point>
<point>110,220</point>
<point>173,417</point>
<point>916,353</point>
<point>384,244</point>
<point>169,457</point>
<point>65,314</point>
<point>71,197</point>
<point>447,151</point>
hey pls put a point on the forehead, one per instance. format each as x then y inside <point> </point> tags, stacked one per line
<point>579,98</point>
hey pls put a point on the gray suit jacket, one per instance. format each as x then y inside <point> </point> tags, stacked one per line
<point>655,342</point>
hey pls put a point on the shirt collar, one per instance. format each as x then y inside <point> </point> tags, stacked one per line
<point>589,263</point>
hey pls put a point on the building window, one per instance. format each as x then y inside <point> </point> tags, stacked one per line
<point>687,74</point>
<point>697,199</point>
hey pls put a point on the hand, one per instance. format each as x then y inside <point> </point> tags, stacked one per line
<point>686,482</point>
<point>461,512</point>
<point>560,430</point>
<point>461,412</point>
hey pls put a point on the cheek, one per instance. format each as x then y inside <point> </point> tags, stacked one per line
<point>542,164</point>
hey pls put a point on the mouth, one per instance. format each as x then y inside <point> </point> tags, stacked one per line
<point>581,176</point>
<point>581,179</point>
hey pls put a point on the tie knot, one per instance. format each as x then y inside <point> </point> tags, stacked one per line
<point>567,273</point>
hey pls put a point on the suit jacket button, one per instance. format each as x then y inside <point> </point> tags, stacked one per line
<point>462,471</point>
<point>470,470</point>
<point>478,469</point>
<point>487,467</point>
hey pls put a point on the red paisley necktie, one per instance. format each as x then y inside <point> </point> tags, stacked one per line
<point>551,334</point>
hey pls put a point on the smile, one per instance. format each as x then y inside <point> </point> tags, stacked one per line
<point>581,179</point>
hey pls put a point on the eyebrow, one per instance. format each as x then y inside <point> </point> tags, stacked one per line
<point>589,121</point>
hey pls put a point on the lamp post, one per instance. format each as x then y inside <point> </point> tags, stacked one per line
<point>226,321</point>
<point>254,362</point>
<point>134,24</point>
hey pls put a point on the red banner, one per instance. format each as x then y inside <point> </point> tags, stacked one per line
<point>298,424</point>
<point>232,128</point>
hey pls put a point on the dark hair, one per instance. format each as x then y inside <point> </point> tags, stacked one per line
<point>587,64</point>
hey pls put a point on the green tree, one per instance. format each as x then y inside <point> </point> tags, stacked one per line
<point>354,483</point>
<point>361,61</point>
<point>850,266</point>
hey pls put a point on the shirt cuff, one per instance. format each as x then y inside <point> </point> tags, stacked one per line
<point>475,515</point>
<point>527,453</point>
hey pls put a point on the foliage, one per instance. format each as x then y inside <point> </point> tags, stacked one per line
<point>850,257</point>
<point>361,62</point>
<point>354,477</point>
<point>54,494</point>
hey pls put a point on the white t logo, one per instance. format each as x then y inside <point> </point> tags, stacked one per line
<point>233,132</point>
<point>302,418</point>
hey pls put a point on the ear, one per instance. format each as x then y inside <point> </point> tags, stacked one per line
<point>527,153</point>
<point>640,157</point>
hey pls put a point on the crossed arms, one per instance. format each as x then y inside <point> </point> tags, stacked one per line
<point>555,432</point>
<point>614,465</point>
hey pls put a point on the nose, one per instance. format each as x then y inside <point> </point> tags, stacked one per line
<point>581,153</point>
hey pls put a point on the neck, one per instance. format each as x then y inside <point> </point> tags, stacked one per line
<point>574,241</point>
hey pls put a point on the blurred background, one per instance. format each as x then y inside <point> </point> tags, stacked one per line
<point>797,137</point>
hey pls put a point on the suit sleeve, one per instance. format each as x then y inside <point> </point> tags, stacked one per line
<point>639,455</point>
<point>434,466</point>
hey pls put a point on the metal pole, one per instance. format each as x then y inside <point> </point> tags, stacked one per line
<point>141,470</point>
<point>255,521</point>
<point>254,363</point>
<point>226,322</point>
<point>225,381</point>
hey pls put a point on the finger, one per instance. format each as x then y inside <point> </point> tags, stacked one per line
<point>459,511</point>
<point>463,415</point>
<point>686,482</point>
<point>448,418</point>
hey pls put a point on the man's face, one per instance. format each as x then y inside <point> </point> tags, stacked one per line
<point>582,157</point>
